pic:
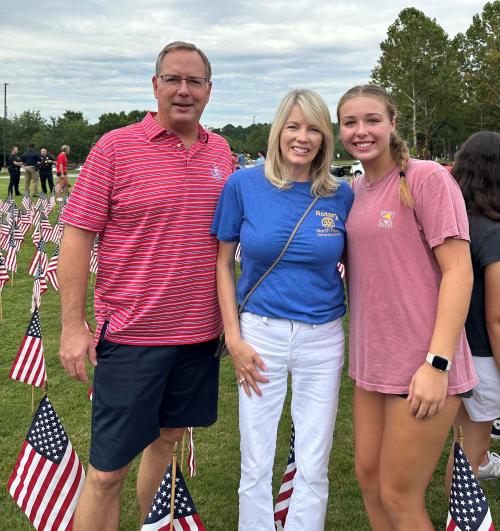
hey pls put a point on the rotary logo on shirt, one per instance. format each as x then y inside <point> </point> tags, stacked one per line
<point>328,220</point>
<point>216,173</point>
<point>386,220</point>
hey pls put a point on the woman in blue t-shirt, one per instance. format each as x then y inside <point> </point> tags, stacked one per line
<point>293,320</point>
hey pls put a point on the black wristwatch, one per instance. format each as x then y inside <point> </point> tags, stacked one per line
<point>438,362</point>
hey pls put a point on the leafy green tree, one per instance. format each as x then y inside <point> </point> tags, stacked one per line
<point>73,129</point>
<point>479,54</point>
<point>418,66</point>
<point>114,120</point>
<point>25,128</point>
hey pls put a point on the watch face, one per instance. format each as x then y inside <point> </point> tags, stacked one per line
<point>440,363</point>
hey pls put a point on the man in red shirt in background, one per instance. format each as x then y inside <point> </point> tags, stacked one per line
<point>62,185</point>
<point>149,190</point>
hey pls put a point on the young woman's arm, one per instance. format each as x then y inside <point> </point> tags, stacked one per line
<point>492,307</point>
<point>429,386</point>
<point>245,359</point>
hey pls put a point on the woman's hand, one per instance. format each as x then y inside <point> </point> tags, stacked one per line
<point>428,389</point>
<point>246,364</point>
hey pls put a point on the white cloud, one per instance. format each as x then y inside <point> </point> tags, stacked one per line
<point>98,56</point>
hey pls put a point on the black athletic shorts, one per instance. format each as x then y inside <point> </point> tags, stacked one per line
<point>138,390</point>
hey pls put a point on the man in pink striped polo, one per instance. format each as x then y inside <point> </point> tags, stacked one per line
<point>149,190</point>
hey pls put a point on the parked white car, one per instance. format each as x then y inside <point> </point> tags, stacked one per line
<point>357,168</point>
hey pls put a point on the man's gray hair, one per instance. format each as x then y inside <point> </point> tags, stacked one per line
<point>181,45</point>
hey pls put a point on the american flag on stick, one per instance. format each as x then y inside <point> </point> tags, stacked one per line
<point>186,517</point>
<point>26,202</point>
<point>4,276</point>
<point>48,476</point>
<point>286,487</point>
<point>29,365</point>
<point>46,227</point>
<point>191,460</point>
<point>39,288</point>
<point>40,258</point>
<point>468,509</point>
<point>94,255</point>
<point>51,273</point>
<point>11,257</point>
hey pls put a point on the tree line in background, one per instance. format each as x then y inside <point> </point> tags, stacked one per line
<point>445,89</point>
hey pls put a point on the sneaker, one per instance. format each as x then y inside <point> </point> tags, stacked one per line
<point>495,429</point>
<point>491,470</point>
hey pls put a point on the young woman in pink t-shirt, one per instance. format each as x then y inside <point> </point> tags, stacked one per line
<point>410,280</point>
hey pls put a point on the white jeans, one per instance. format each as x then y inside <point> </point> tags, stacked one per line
<point>314,355</point>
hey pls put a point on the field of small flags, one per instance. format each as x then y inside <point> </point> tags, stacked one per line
<point>29,335</point>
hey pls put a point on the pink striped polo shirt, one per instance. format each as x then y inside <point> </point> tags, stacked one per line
<point>152,203</point>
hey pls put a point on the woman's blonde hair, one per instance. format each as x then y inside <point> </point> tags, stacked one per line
<point>398,147</point>
<point>316,113</point>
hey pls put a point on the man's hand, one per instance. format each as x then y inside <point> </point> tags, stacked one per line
<point>77,343</point>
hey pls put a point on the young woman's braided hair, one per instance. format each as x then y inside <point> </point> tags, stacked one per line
<point>399,148</point>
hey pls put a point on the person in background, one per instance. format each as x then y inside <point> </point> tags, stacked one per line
<point>63,185</point>
<point>410,281</point>
<point>14,164</point>
<point>242,160</point>
<point>261,159</point>
<point>31,160</point>
<point>45,171</point>
<point>292,323</point>
<point>477,171</point>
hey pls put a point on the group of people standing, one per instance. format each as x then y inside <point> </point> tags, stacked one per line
<point>38,167</point>
<point>402,232</point>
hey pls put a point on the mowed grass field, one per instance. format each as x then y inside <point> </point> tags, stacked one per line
<point>214,488</point>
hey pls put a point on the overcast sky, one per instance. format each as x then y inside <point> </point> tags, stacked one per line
<point>98,56</point>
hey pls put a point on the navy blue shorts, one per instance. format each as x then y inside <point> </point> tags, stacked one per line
<point>138,390</point>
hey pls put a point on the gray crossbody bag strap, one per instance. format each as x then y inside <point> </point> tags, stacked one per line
<point>283,251</point>
<point>221,347</point>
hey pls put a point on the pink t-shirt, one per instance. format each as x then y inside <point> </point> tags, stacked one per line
<point>394,277</point>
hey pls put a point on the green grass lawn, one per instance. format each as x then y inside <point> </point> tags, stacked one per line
<point>214,488</point>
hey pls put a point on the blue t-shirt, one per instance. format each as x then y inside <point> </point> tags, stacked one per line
<point>305,285</point>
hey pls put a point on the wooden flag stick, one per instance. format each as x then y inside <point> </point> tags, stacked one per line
<point>182,449</point>
<point>1,309</point>
<point>460,436</point>
<point>172,494</point>
<point>32,399</point>
<point>12,279</point>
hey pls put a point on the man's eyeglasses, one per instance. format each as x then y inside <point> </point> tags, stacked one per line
<point>193,82</point>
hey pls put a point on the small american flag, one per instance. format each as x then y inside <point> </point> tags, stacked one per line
<point>11,258</point>
<point>94,255</point>
<point>51,273</point>
<point>39,288</point>
<point>341,269</point>
<point>4,232</point>
<point>191,460</point>
<point>40,258</point>
<point>46,227</point>
<point>26,202</point>
<point>468,509</point>
<point>29,365</point>
<point>286,487</point>
<point>48,476</point>
<point>4,275</point>
<point>57,231</point>
<point>186,517</point>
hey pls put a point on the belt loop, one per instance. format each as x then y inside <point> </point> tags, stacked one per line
<point>315,326</point>
<point>264,320</point>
